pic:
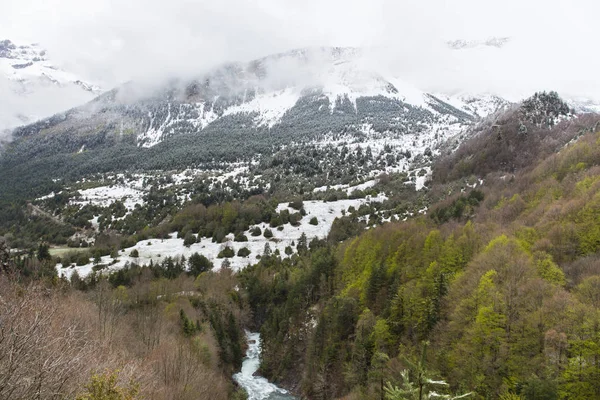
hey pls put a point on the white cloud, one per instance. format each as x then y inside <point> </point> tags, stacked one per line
<point>112,41</point>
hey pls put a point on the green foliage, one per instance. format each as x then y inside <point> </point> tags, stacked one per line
<point>461,207</point>
<point>106,386</point>
<point>227,252</point>
<point>421,386</point>
<point>43,252</point>
<point>188,327</point>
<point>506,299</point>
<point>345,228</point>
<point>228,335</point>
<point>548,270</point>
<point>296,205</point>
<point>243,252</point>
<point>240,238</point>
<point>189,239</point>
<point>82,259</point>
<point>197,264</point>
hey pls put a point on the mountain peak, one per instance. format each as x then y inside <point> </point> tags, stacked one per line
<point>497,42</point>
<point>34,87</point>
<point>545,109</point>
<point>30,52</point>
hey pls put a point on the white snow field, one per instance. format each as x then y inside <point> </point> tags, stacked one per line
<point>159,249</point>
<point>104,196</point>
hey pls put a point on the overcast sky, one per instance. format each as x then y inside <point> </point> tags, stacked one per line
<point>554,42</point>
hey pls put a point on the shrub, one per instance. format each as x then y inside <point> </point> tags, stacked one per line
<point>198,264</point>
<point>189,239</point>
<point>314,221</point>
<point>275,221</point>
<point>243,252</point>
<point>82,259</point>
<point>296,205</point>
<point>134,253</point>
<point>106,386</point>
<point>219,235</point>
<point>295,219</point>
<point>227,252</point>
<point>256,231</point>
<point>268,233</point>
<point>240,237</point>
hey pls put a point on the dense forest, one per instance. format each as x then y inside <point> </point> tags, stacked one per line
<point>494,293</point>
<point>499,298</point>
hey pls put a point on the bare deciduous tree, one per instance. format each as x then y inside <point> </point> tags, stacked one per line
<point>42,355</point>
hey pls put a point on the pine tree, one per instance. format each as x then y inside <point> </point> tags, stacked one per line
<point>187,325</point>
<point>302,244</point>
<point>267,251</point>
<point>421,386</point>
<point>43,252</point>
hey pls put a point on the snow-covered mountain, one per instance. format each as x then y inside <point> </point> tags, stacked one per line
<point>334,88</point>
<point>239,111</point>
<point>460,44</point>
<point>33,87</point>
<point>305,112</point>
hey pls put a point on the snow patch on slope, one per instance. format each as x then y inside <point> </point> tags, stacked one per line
<point>156,250</point>
<point>104,196</point>
<point>270,106</point>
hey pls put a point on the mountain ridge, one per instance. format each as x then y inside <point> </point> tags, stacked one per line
<point>29,79</point>
<point>271,86</point>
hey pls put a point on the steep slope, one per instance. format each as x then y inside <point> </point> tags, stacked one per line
<point>268,92</point>
<point>504,290</point>
<point>34,87</point>
<point>514,140</point>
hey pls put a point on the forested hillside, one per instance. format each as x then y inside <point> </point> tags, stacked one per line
<point>502,282</point>
<point>144,333</point>
<point>486,283</point>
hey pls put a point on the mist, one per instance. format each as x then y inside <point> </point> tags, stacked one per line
<point>38,101</point>
<point>110,42</point>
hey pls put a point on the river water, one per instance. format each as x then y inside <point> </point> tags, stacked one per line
<point>258,388</point>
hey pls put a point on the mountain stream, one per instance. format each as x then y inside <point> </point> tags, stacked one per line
<point>258,388</point>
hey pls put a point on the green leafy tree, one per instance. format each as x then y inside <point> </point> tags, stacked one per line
<point>198,264</point>
<point>106,386</point>
<point>302,246</point>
